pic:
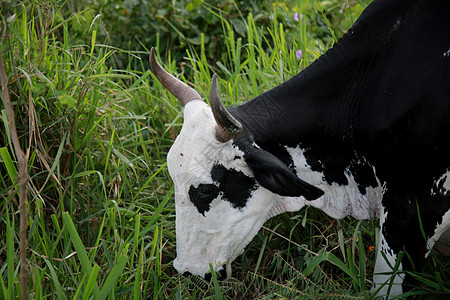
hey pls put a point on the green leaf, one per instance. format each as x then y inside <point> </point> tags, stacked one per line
<point>38,89</point>
<point>94,34</point>
<point>195,40</point>
<point>68,100</point>
<point>190,6</point>
<point>8,162</point>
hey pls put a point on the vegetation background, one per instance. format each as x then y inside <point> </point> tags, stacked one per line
<point>95,128</point>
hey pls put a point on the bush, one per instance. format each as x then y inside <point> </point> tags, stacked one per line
<point>175,26</point>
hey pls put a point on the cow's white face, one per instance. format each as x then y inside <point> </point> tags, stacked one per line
<point>219,205</point>
<point>223,194</point>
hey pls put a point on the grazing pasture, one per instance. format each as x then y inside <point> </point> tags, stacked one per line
<point>94,200</point>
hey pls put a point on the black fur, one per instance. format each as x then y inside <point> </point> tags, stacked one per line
<point>380,97</point>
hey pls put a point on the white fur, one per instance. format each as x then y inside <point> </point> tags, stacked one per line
<point>339,200</point>
<point>445,180</point>
<point>446,53</point>
<point>382,276</point>
<point>441,237</point>
<point>442,230</point>
<point>222,233</point>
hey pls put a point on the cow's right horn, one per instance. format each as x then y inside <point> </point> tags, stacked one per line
<point>227,126</point>
<point>176,87</point>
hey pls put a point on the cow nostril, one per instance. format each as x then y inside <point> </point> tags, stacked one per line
<point>187,274</point>
<point>222,274</point>
<point>208,277</point>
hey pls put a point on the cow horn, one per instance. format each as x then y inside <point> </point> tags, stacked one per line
<point>227,126</point>
<point>176,87</point>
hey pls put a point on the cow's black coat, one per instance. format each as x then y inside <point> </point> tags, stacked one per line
<point>382,93</point>
<point>380,97</point>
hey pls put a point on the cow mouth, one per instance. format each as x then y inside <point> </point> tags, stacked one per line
<point>223,274</point>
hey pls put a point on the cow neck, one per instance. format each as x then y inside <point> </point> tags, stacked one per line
<point>333,99</point>
<point>317,104</point>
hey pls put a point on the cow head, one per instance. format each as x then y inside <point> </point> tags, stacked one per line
<point>223,192</point>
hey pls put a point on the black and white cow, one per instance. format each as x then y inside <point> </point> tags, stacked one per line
<point>364,131</point>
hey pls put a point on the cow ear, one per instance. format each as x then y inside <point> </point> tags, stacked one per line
<point>275,176</point>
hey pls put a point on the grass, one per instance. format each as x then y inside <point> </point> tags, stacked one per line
<point>100,207</point>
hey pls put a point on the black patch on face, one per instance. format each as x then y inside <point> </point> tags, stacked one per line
<point>203,195</point>
<point>235,185</point>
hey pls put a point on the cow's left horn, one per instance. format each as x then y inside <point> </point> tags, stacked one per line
<point>176,87</point>
<point>227,126</point>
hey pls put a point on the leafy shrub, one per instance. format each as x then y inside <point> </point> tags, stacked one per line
<point>174,26</point>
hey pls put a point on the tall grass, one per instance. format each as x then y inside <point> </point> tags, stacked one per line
<point>100,202</point>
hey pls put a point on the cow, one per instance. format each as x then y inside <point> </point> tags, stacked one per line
<point>364,131</point>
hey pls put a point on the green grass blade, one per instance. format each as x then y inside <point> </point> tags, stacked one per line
<point>79,247</point>
<point>58,288</point>
<point>92,282</point>
<point>261,253</point>
<point>217,291</point>
<point>157,213</point>
<point>113,276</point>
<point>432,284</point>
<point>139,270</point>
<point>94,34</point>
<point>149,180</point>
<point>342,243</point>
<point>89,133</point>
<point>9,164</point>
<point>3,289</point>
<point>362,263</point>
<point>56,160</point>
<point>330,257</point>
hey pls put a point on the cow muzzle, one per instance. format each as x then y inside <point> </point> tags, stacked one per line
<point>223,272</point>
